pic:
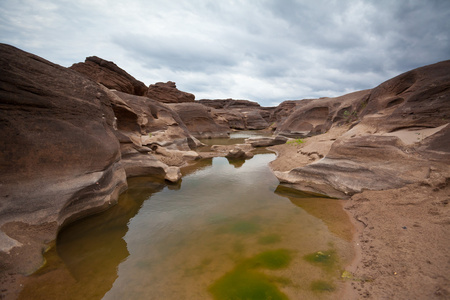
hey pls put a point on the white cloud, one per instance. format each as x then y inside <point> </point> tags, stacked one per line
<point>267,51</point>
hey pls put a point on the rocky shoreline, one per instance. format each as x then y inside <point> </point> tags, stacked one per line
<point>401,234</point>
<point>71,136</point>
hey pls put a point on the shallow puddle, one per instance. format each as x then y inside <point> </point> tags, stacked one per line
<point>223,233</point>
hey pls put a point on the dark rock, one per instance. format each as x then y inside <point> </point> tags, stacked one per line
<point>437,146</point>
<point>110,75</point>
<point>285,109</point>
<point>168,93</point>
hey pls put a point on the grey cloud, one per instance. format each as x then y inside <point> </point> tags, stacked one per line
<point>177,52</point>
<point>266,50</point>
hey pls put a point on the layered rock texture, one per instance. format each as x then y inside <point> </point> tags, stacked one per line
<point>312,117</point>
<point>110,75</point>
<point>69,138</point>
<point>239,114</point>
<point>143,124</point>
<point>59,156</point>
<point>396,136</point>
<point>167,92</point>
<point>199,120</point>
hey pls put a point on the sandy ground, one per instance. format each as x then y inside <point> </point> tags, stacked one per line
<point>402,238</point>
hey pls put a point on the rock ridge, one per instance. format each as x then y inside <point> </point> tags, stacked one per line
<point>110,75</point>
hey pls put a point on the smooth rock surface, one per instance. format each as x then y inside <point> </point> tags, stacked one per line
<point>266,141</point>
<point>199,120</point>
<point>60,158</point>
<point>375,154</point>
<point>316,116</point>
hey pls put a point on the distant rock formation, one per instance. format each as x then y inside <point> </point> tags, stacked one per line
<point>239,114</point>
<point>110,75</point>
<point>199,121</point>
<point>168,93</point>
<point>229,103</point>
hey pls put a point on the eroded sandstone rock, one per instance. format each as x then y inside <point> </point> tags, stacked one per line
<point>266,141</point>
<point>311,117</point>
<point>60,159</point>
<point>145,125</point>
<point>415,99</point>
<point>238,153</point>
<point>110,75</point>
<point>199,121</point>
<point>167,92</point>
<point>398,136</point>
<point>145,121</point>
<point>353,165</point>
<point>239,114</point>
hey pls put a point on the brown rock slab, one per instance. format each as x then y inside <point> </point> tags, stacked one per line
<point>239,114</point>
<point>317,116</point>
<point>199,120</point>
<point>416,99</point>
<point>167,92</point>
<point>59,155</point>
<point>110,75</point>
<point>266,141</point>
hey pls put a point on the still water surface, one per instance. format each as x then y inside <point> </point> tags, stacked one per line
<point>225,232</point>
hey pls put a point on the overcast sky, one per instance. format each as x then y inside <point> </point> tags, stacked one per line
<point>266,51</point>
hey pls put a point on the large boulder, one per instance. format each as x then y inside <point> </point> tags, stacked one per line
<point>60,158</point>
<point>110,75</point>
<point>199,120</point>
<point>266,141</point>
<point>167,92</point>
